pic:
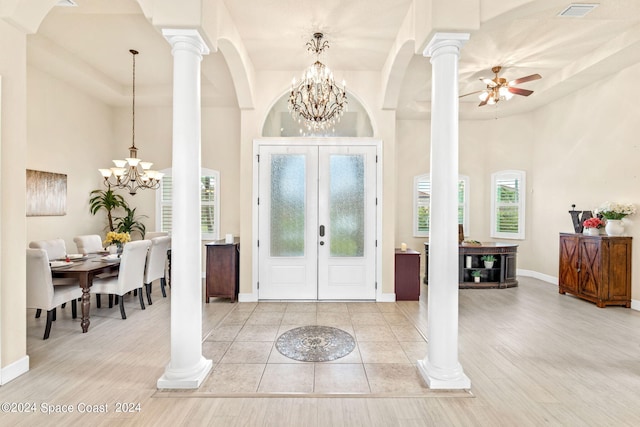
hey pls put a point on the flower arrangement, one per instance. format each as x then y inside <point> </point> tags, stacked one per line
<point>613,210</point>
<point>593,223</point>
<point>117,238</point>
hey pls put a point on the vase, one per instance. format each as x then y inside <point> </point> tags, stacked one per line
<point>592,231</point>
<point>614,227</point>
<point>488,264</point>
<point>113,249</point>
<point>476,279</point>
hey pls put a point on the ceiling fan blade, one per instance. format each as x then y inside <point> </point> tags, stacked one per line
<point>525,79</point>
<point>471,93</point>
<point>518,91</point>
<point>484,102</point>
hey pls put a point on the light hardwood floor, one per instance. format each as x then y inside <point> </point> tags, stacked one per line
<point>534,358</point>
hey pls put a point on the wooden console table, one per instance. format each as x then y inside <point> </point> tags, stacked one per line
<point>223,270</point>
<point>501,275</point>
<point>596,268</point>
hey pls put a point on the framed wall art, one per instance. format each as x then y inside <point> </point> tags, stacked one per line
<point>46,193</point>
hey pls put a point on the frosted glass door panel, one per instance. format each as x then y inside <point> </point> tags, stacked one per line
<point>347,200</point>
<point>288,195</point>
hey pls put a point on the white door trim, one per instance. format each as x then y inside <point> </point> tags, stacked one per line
<point>312,141</point>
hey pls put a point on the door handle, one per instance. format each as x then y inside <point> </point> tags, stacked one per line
<point>322,231</point>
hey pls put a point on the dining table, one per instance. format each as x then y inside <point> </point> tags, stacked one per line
<point>85,269</point>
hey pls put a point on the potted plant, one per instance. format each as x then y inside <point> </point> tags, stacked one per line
<point>592,226</point>
<point>488,260</point>
<point>130,223</point>
<point>476,275</point>
<point>107,200</point>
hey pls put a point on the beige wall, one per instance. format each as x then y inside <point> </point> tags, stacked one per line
<point>12,195</point>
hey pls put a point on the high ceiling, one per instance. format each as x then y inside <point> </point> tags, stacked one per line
<point>88,46</point>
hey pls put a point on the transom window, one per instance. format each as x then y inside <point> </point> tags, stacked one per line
<point>422,200</point>
<point>209,203</point>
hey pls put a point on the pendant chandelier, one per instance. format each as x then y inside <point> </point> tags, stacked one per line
<point>317,100</point>
<point>132,173</point>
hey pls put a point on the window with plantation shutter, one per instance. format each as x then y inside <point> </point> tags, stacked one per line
<point>209,203</point>
<point>422,199</point>
<point>508,204</point>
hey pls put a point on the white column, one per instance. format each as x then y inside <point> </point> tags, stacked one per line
<point>440,368</point>
<point>187,368</point>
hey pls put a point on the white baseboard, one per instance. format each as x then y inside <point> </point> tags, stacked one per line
<point>391,297</point>
<point>14,370</point>
<point>247,297</point>
<point>536,275</point>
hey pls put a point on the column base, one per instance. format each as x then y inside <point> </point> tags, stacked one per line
<point>438,379</point>
<point>185,378</point>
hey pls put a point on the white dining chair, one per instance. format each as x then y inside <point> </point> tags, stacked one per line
<point>88,244</point>
<point>130,275</point>
<point>56,248</point>
<point>41,292</point>
<point>156,266</point>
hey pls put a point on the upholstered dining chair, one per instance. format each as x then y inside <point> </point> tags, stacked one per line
<point>130,275</point>
<point>156,265</point>
<point>41,292</point>
<point>56,248</point>
<point>88,244</point>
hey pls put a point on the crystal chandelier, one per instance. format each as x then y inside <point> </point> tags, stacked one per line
<point>132,173</point>
<point>317,99</point>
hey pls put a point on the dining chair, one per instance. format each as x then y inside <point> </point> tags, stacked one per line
<point>156,264</point>
<point>56,248</point>
<point>41,292</point>
<point>88,244</point>
<point>130,275</point>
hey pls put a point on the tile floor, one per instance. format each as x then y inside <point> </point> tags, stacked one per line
<point>246,360</point>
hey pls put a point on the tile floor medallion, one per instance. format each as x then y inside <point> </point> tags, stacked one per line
<point>315,349</point>
<point>315,343</point>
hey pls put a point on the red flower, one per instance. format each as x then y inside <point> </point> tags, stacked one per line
<point>593,223</point>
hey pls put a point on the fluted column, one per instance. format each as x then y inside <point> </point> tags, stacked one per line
<point>187,367</point>
<point>440,368</point>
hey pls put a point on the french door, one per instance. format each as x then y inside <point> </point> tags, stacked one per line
<point>316,219</point>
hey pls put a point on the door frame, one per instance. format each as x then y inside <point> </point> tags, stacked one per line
<point>316,142</point>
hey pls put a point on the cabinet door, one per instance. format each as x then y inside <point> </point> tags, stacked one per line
<point>616,283</point>
<point>589,254</point>
<point>568,274</point>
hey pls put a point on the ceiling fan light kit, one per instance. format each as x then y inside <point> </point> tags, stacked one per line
<point>499,89</point>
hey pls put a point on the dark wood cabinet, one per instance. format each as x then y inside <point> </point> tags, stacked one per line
<point>223,270</point>
<point>407,275</point>
<point>596,268</point>
<point>502,274</point>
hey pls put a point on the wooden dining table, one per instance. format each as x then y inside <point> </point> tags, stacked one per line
<point>85,270</point>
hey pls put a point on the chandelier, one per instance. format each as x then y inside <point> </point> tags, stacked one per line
<point>317,99</point>
<point>132,173</point>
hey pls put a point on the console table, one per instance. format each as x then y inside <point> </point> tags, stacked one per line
<point>223,270</point>
<point>501,275</point>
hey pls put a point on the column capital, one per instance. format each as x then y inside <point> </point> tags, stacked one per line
<point>441,40</point>
<point>188,39</point>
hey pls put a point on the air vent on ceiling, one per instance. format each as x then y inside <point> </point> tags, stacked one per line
<point>578,10</point>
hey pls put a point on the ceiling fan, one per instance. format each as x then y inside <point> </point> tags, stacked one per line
<point>499,88</point>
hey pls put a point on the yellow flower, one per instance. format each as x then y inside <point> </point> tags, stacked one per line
<point>117,238</point>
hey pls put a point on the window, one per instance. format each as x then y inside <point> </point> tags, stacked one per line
<point>209,203</point>
<point>422,198</point>
<point>507,204</point>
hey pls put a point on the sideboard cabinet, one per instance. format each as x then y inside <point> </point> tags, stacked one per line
<point>223,270</point>
<point>596,268</point>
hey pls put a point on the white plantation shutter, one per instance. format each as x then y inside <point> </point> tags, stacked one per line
<point>209,203</point>
<point>422,199</point>
<point>507,204</point>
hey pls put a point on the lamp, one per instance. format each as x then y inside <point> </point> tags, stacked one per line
<point>132,173</point>
<point>317,99</point>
